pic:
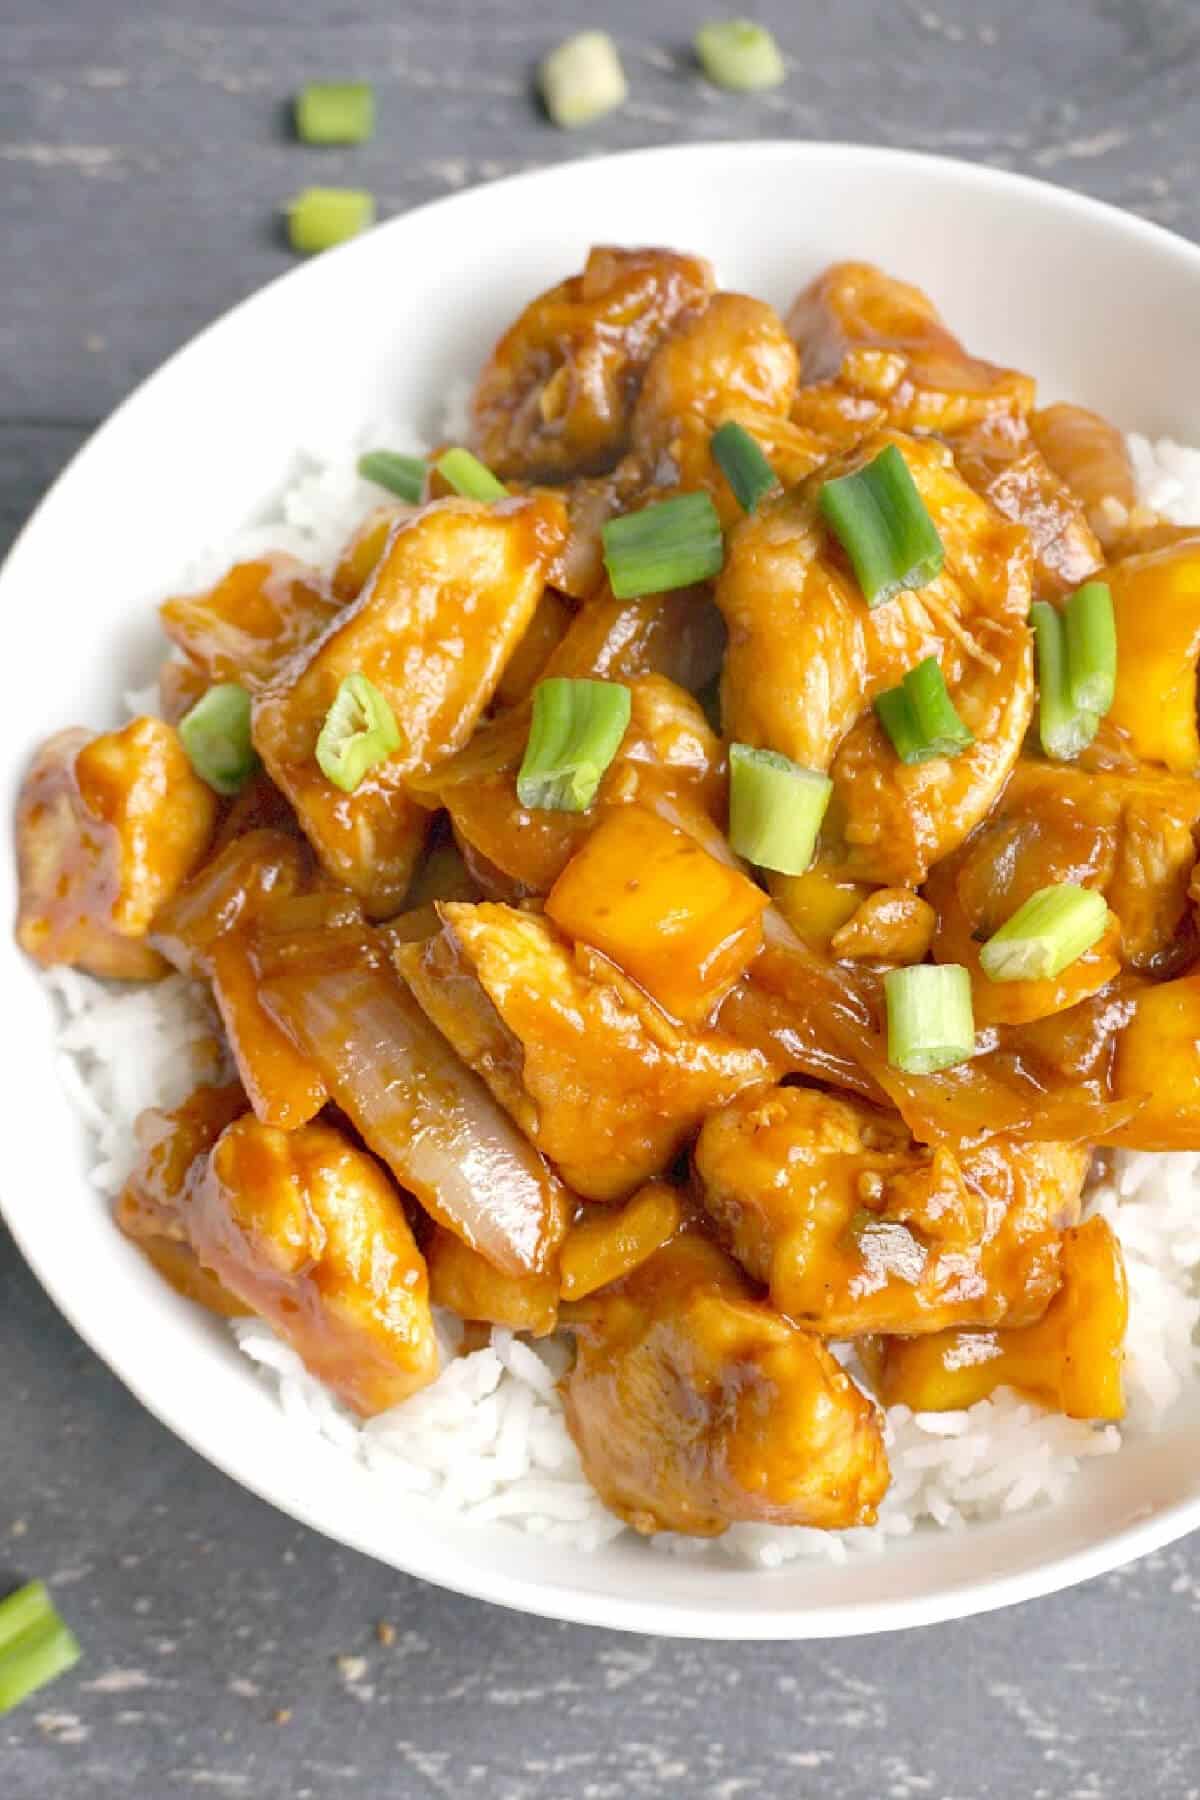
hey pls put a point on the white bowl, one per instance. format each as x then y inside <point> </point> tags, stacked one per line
<point>1100,306</point>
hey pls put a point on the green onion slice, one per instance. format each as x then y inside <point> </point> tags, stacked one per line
<point>403,475</point>
<point>919,716</point>
<point>1052,930</point>
<point>667,545</point>
<point>880,520</point>
<point>582,79</point>
<point>469,477</point>
<point>360,730</point>
<point>216,736</point>
<point>1091,629</point>
<point>1064,728</point>
<point>575,732</point>
<point>930,1024</point>
<point>775,809</point>
<point>335,112</point>
<point>35,1645</point>
<point>738,54</point>
<point>743,465</point>
<point>319,218</point>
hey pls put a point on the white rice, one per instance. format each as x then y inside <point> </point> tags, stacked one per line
<point>487,1440</point>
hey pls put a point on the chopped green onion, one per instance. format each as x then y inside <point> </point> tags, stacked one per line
<point>35,1645</point>
<point>930,1024</point>
<point>360,730</point>
<point>737,53</point>
<point>575,732</point>
<point>919,716</point>
<point>881,522</point>
<point>1092,648</point>
<point>469,477</point>
<point>743,465</point>
<point>775,809</point>
<point>319,218</point>
<point>216,735</point>
<point>582,79</point>
<point>1064,728</point>
<point>1052,930</point>
<point>403,475</point>
<point>335,112</point>
<point>667,545</point>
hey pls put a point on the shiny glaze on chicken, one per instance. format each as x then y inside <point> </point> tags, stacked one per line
<point>586,1072</point>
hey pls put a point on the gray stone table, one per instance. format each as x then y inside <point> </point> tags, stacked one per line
<point>143,151</point>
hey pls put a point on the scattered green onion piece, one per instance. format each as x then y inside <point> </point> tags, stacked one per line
<point>743,465</point>
<point>403,475</point>
<point>1064,729</point>
<point>1052,930</point>
<point>667,545</point>
<point>319,218</point>
<point>919,716</point>
<point>35,1645</point>
<point>469,477</point>
<point>216,735</point>
<point>775,809</point>
<point>335,112</point>
<point>880,520</point>
<point>582,79</point>
<point>930,1024</point>
<point>1091,648</point>
<point>738,54</point>
<point>575,732</point>
<point>360,730</point>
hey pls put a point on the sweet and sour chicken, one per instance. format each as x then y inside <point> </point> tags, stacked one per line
<point>700,875</point>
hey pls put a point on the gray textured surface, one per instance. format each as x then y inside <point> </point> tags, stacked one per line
<point>142,151</point>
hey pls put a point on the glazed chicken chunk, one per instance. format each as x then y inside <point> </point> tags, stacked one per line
<point>695,1406</point>
<point>854,1228</point>
<point>107,829</point>
<point>312,1235</point>
<point>592,1072</point>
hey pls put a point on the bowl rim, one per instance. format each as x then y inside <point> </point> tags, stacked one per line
<point>556,1600</point>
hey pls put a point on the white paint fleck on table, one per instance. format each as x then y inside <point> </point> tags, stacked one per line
<point>144,151</point>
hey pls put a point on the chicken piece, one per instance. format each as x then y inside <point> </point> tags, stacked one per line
<point>1000,459</point>
<point>107,829</point>
<point>733,362</point>
<point>554,398</point>
<point>1130,837</point>
<point>1156,598</point>
<point>433,631</point>
<point>253,621</point>
<point>312,1235</point>
<point>594,1074</point>
<point>1156,1063</point>
<point>882,341</point>
<point>172,1145</point>
<point>332,988</point>
<point>694,1406</point>
<point>1070,1360</point>
<point>668,748</point>
<point>892,925</point>
<point>606,1243</point>
<point>806,654</point>
<point>1090,456</point>
<point>467,1283</point>
<point>684,926</point>
<point>855,1228</point>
